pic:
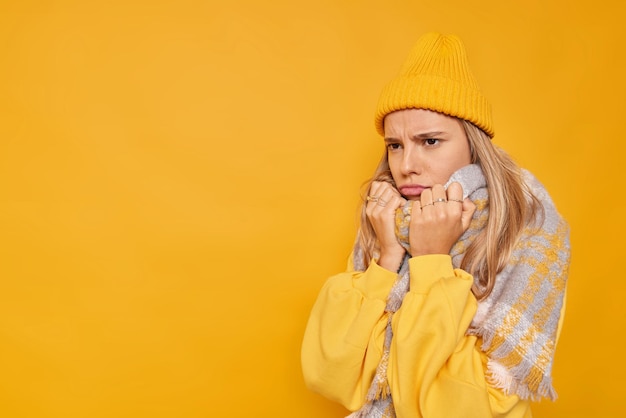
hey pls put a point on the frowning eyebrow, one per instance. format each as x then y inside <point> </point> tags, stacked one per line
<point>417,137</point>
<point>427,135</point>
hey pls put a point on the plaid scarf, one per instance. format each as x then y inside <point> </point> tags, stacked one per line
<point>518,321</point>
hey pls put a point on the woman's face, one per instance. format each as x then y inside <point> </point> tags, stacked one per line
<point>424,148</point>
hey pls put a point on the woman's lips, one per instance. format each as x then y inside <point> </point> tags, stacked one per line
<point>412,190</point>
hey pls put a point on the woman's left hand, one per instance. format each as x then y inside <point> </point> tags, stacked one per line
<point>439,219</point>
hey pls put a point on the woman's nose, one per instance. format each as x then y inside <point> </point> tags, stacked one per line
<point>411,162</point>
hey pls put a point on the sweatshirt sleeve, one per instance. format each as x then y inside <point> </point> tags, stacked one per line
<point>437,370</point>
<point>343,341</point>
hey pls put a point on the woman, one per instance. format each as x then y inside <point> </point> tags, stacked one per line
<point>453,299</point>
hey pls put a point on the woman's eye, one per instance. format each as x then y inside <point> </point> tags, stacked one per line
<point>431,141</point>
<point>392,147</point>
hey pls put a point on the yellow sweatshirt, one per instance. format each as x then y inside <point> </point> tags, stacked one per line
<point>434,370</point>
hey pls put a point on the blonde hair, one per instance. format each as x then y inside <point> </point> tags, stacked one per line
<point>512,206</point>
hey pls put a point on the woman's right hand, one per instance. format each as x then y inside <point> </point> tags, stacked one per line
<point>383,201</point>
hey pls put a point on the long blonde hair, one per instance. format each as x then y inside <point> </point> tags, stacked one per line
<point>511,207</point>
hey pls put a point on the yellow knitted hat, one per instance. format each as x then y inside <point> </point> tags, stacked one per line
<point>436,76</point>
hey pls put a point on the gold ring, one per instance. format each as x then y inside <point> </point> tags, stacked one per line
<point>427,204</point>
<point>372,198</point>
<point>440,200</point>
<point>455,200</point>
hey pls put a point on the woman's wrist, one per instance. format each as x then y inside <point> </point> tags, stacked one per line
<point>391,261</point>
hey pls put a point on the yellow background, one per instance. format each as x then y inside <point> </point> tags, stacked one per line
<point>178,178</point>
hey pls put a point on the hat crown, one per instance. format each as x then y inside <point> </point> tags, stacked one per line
<point>439,55</point>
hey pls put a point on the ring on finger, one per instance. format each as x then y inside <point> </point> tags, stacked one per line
<point>427,204</point>
<point>455,200</point>
<point>441,199</point>
<point>372,198</point>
